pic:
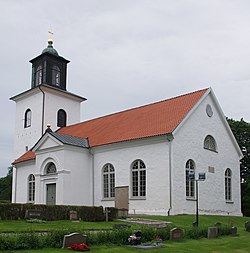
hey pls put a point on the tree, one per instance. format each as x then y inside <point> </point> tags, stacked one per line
<point>5,186</point>
<point>241,131</point>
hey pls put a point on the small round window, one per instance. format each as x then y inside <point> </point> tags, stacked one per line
<point>209,111</point>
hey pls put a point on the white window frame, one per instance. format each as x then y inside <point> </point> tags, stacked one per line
<point>190,184</point>
<point>27,118</point>
<point>210,143</point>
<point>138,179</point>
<point>228,185</point>
<point>108,177</point>
<point>31,188</point>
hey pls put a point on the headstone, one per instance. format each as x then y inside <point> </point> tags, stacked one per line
<point>247,226</point>
<point>212,232</point>
<point>217,224</point>
<point>120,226</point>
<point>122,213</point>
<point>33,214</point>
<point>74,238</point>
<point>234,231</point>
<point>176,234</point>
<point>73,215</point>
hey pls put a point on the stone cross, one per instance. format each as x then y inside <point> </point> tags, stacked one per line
<point>106,212</point>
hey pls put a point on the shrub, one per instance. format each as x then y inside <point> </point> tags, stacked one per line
<point>54,212</point>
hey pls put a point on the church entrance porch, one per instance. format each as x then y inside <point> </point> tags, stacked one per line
<point>51,194</point>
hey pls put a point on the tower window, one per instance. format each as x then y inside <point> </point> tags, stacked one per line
<point>27,118</point>
<point>39,75</point>
<point>61,118</point>
<point>55,75</point>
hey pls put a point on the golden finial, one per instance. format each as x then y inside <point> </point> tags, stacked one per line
<point>50,40</point>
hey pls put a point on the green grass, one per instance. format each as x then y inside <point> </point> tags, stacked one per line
<point>7,226</point>
<point>183,221</point>
<point>238,244</point>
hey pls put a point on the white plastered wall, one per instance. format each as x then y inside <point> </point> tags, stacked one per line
<point>154,153</point>
<point>188,144</point>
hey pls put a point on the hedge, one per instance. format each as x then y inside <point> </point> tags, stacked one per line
<point>54,212</point>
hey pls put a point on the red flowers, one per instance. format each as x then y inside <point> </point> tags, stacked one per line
<point>79,247</point>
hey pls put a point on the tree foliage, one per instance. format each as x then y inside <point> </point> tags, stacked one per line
<point>5,186</point>
<point>241,131</point>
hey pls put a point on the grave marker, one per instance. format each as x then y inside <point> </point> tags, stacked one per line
<point>74,238</point>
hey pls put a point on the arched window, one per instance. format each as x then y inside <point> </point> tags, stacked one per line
<point>55,75</point>
<point>210,143</point>
<point>50,168</point>
<point>31,188</point>
<point>39,75</point>
<point>228,185</point>
<point>108,181</point>
<point>27,118</point>
<point>190,170</point>
<point>61,118</point>
<point>138,179</point>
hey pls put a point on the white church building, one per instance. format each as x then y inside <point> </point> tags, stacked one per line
<point>141,159</point>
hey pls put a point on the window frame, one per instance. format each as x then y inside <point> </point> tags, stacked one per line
<point>228,185</point>
<point>108,181</point>
<point>210,143</point>
<point>48,168</point>
<point>190,184</point>
<point>31,188</point>
<point>27,118</point>
<point>61,118</point>
<point>56,75</point>
<point>39,75</point>
<point>138,180</point>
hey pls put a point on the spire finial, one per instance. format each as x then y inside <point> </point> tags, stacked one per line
<point>50,40</point>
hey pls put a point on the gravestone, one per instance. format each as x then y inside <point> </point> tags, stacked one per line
<point>234,231</point>
<point>74,238</point>
<point>247,226</point>
<point>212,232</point>
<point>176,234</point>
<point>73,215</point>
<point>217,224</point>
<point>33,214</point>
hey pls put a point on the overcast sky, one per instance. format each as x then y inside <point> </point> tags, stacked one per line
<point>126,53</point>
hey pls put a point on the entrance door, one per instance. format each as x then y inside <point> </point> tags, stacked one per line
<point>51,194</point>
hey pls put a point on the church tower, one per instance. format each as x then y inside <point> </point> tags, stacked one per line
<point>46,102</point>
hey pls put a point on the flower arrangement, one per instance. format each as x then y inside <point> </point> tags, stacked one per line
<point>157,239</point>
<point>79,247</point>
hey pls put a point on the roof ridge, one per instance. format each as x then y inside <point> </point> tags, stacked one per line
<point>134,108</point>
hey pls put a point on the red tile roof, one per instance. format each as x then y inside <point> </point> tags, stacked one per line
<point>150,120</point>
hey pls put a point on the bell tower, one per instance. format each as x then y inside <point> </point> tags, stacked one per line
<point>49,68</point>
<point>46,102</point>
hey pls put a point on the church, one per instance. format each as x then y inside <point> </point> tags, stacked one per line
<point>152,159</point>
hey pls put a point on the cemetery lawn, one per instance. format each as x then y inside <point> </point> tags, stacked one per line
<point>225,244</point>
<point>182,221</point>
<point>18,226</point>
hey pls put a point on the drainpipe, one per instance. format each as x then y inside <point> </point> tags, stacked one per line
<point>170,138</point>
<point>42,109</point>
<point>93,175</point>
